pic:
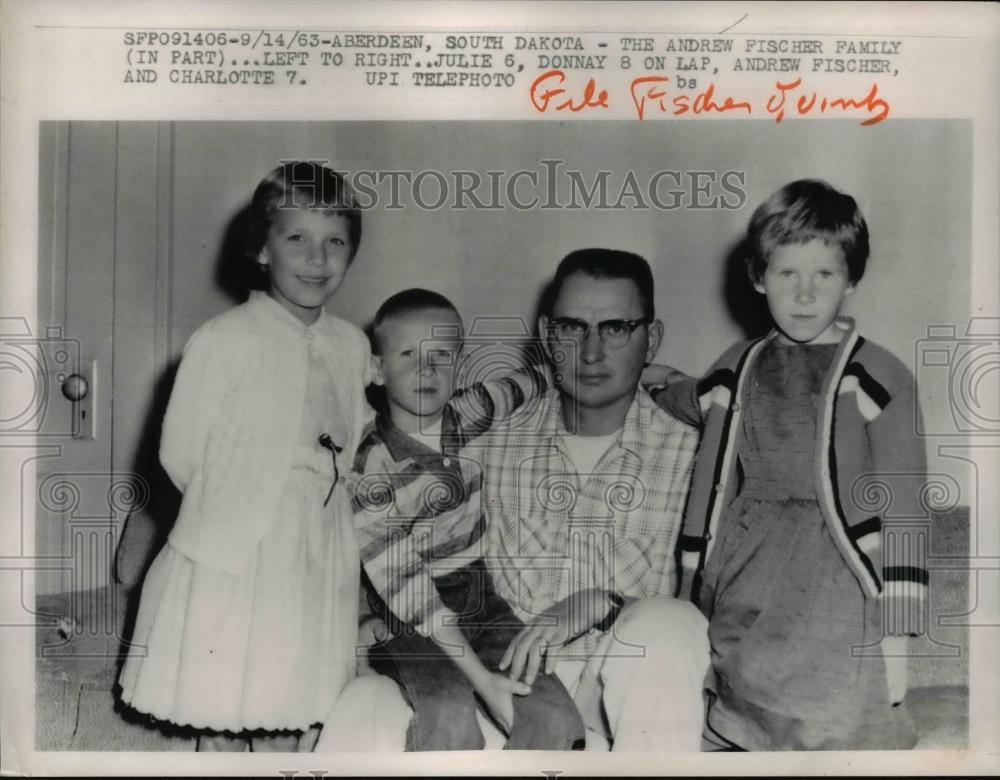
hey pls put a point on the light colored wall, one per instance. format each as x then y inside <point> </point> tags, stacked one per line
<point>177,186</point>
<point>911,179</point>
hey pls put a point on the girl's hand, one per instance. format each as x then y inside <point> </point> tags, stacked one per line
<point>372,631</point>
<point>497,692</point>
<point>894,651</point>
<point>659,375</point>
<point>350,481</point>
<point>684,586</point>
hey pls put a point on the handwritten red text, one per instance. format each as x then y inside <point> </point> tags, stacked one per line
<point>809,102</point>
<point>545,90</point>
<point>646,91</point>
<point>650,93</point>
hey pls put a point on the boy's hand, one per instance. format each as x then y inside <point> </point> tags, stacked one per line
<point>894,651</point>
<point>496,691</point>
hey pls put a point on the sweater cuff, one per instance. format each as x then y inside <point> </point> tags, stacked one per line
<point>904,608</point>
<point>686,585</point>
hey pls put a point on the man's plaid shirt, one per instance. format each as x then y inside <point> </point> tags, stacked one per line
<point>553,532</point>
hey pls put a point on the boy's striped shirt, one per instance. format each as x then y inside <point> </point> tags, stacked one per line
<point>418,512</point>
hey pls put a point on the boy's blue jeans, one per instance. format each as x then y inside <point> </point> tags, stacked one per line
<point>442,698</point>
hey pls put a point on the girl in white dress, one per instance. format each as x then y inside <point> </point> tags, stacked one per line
<point>248,617</point>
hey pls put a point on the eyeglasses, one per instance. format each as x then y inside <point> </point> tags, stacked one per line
<point>613,333</point>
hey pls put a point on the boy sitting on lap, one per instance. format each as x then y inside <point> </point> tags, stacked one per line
<point>420,531</point>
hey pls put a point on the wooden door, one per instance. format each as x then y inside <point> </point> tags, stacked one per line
<point>104,209</point>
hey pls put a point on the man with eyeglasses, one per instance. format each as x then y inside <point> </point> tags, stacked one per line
<point>583,492</point>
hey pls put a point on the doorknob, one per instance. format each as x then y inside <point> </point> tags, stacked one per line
<point>82,389</point>
<point>76,387</point>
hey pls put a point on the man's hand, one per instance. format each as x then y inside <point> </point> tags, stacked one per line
<point>497,691</point>
<point>894,651</point>
<point>560,623</point>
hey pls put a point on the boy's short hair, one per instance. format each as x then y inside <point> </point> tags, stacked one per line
<point>603,264</point>
<point>294,184</point>
<point>410,301</point>
<point>803,211</point>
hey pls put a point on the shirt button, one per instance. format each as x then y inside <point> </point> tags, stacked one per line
<point>309,336</point>
<point>719,488</point>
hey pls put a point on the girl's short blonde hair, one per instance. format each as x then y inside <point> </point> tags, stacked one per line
<point>804,211</point>
<point>297,184</point>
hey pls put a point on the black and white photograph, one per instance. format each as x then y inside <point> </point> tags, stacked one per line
<point>517,439</point>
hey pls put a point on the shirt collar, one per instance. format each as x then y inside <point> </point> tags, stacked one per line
<point>845,324</point>
<point>402,446</point>
<point>637,419</point>
<point>269,307</point>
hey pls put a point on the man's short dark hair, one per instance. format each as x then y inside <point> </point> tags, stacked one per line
<point>416,299</point>
<point>604,264</point>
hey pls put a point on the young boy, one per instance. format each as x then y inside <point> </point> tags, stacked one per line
<point>420,531</point>
<point>783,548</point>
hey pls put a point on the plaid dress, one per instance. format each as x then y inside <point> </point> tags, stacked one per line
<point>787,616</point>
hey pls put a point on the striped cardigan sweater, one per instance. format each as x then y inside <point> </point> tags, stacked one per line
<point>870,466</point>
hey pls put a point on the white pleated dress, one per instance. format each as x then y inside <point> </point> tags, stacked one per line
<point>273,647</point>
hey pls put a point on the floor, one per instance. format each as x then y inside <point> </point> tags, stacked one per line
<point>79,640</point>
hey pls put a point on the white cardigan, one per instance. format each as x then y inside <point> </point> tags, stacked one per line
<point>234,416</point>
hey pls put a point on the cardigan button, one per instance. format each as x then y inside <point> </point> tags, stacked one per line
<point>446,461</point>
<point>719,488</point>
<point>736,406</point>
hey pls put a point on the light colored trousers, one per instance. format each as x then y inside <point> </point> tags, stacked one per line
<point>647,673</point>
